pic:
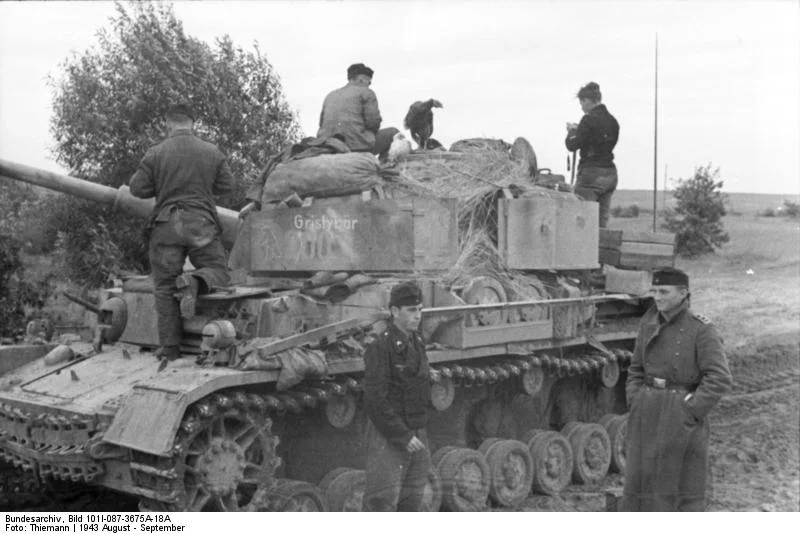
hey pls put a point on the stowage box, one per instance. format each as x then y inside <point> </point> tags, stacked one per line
<point>548,232</point>
<point>401,234</point>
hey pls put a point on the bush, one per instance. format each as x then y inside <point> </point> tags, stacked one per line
<point>108,109</point>
<point>16,294</point>
<point>627,212</point>
<point>769,212</point>
<point>696,221</point>
<point>790,209</point>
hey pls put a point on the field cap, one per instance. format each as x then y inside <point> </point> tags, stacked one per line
<point>669,276</point>
<point>405,294</point>
<point>358,68</point>
<point>181,108</point>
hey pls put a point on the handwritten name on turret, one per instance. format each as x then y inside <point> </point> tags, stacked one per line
<point>325,222</point>
<point>334,236</point>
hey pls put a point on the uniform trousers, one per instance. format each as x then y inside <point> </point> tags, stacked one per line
<point>597,184</point>
<point>396,478</point>
<point>185,233</point>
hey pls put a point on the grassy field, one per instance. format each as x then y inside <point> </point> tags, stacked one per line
<point>743,203</point>
<point>745,306</point>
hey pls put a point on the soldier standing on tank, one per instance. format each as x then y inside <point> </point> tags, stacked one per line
<point>595,136</point>
<point>678,374</point>
<point>183,173</point>
<point>396,395</point>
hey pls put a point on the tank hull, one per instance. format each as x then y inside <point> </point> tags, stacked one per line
<point>114,420</point>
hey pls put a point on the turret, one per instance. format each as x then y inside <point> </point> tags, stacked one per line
<point>119,199</point>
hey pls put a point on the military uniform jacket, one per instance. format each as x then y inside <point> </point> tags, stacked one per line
<point>351,111</point>
<point>687,351</point>
<point>396,385</point>
<point>596,137</point>
<point>185,171</point>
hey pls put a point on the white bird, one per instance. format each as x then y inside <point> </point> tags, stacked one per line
<point>400,145</point>
<point>750,272</point>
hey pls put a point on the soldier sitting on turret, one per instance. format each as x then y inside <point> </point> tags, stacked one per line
<point>183,172</point>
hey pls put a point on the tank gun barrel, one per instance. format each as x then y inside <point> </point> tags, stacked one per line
<point>119,199</point>
<point>85,303</point>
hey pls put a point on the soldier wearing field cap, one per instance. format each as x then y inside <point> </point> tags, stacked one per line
<point>183,173</point>
<point>352,111</point>
<point>396,395</point>
<point>677,375</point>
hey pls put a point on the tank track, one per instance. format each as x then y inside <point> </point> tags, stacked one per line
<point>19,489</point>
<point>161,482</point>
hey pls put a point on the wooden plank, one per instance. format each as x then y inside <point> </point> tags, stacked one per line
<point>610,238</point>
<point>646,249</point>
<point>649,237</point>
<point>609,256</point>
<point>639,261</point>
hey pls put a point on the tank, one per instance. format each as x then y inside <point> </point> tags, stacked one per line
<point>263,411</point>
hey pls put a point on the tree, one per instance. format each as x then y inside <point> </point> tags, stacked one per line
<point>108,108</point>
<point>697,218</point>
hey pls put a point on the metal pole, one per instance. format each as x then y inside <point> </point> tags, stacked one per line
<point>467,308</point>
<point>664,194</point>
<point>655,144</point>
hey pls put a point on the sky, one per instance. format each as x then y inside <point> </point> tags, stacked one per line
<point>727,70</point>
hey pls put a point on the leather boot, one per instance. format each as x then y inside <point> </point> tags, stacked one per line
<point>166,355</point>
<point>187,293</point>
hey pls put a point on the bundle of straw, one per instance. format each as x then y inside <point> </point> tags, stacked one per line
<point>476,179</point>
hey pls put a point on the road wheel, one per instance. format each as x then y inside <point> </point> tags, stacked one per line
<point>443,393</point>
<point>511,469</point>
<point>609,374</point>
<point>617,430</point>
<point>465,480</point>
<point>552,460</point>
<point>591,453</point>
<point>533,380</point>
<point>288,496</point>
<point>432,496</point>
<point>340,410</point>
<point>485,290</point>
<point>344,489</point>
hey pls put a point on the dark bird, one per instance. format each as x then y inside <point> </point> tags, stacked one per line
<point>419,120</point>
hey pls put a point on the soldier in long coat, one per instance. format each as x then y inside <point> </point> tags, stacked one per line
<point>678,374</point>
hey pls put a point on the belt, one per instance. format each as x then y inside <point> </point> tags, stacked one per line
<point>662,383</point>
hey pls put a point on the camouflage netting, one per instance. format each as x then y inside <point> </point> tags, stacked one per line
<point>477,177</point>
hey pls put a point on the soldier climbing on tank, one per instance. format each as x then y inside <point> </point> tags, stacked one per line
<point>183,173</point>
<point>396,395</point>
<point>677,375</point>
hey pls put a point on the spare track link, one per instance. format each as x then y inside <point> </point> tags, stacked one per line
<point>48,445</point>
